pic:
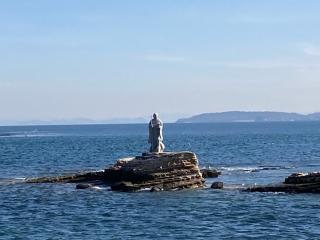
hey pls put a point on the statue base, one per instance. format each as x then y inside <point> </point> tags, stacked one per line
<point>161,171</point>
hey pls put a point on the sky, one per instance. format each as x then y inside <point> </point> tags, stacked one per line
<point>125,59</point>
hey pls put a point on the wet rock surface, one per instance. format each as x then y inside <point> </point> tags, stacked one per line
<point>84,186</point>
<point>217,185</point>
<point>295,183</point>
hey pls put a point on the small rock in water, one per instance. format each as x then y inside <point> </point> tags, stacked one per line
<point>209,173</point>
<point>217,185</point>
<point>84,186</point>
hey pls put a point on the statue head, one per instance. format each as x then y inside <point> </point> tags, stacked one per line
<point>155,116</point>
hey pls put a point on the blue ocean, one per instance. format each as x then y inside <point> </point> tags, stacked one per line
<point>246,153</point>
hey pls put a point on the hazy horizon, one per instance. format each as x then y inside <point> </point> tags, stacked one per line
<point>132,120</point>
<point>127,59</point>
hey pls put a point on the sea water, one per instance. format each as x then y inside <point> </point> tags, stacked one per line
<point>246,153</point>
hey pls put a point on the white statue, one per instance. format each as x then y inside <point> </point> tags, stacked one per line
<point>155,134</point>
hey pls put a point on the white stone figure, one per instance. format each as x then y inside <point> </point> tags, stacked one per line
<point>155,134</point>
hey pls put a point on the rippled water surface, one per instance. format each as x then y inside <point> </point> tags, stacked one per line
<point>246,153</point>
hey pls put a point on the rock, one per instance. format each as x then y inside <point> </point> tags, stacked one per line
<point>74,178</point>
<point>83,186</point>
<point>167,171</point>
<point>155,189</point>
<point>217,185</point>
<point>210,173</point>
<point>124,187</point>
<point>295,183</point>
<point>303,178</point>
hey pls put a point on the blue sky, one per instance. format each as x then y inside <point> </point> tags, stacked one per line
<point>108,59</point>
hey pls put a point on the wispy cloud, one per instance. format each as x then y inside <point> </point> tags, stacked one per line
<point>311,50</point>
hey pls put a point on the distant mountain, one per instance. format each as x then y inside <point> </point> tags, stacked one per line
<point>239,116</point>
<point>315,116</point>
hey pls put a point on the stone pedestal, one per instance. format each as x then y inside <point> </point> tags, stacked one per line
<point>164,171</point>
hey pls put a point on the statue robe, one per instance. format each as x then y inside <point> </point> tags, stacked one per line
<point>155,135</point>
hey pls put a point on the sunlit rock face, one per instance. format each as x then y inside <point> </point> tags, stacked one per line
<point>164,171</point>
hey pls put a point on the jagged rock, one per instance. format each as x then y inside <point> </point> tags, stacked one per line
<point>166,171</point>
<point>209,173</point>
<point>217,185</point>
<point>295,183</point>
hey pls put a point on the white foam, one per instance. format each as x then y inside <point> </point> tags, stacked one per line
<point>20,178</point>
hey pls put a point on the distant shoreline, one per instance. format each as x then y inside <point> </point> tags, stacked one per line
<point>218,117</point>
<point>170,123</point>
<point>242,116</point>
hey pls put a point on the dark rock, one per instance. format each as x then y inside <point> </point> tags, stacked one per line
<point>83,186</point>
<point>295,183</point>
<point>303,178</point>
<point>217,185</point>
<point>124,187</point>
<point>74,178</point>
<point>210,173</point>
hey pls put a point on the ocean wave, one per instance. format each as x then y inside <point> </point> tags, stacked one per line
<point>8,181</point>
<point>253,168</point>
<point>27,134</point>
<point>98,188</point>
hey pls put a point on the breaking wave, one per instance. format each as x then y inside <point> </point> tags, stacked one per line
<point>34,133</point>
<point>8,181</point>
<point>253,168</point>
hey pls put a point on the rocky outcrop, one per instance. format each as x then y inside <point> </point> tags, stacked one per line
<point>295,183</point>
<point>93,177</point>
<point>165,171</point>
<point>154,171</point>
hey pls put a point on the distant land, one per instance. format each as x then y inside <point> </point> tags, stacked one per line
<point>231,116</point>
<point>240,116</point>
